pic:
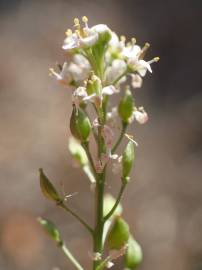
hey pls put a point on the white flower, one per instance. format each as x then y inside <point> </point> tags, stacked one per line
<point>117,68</point>
<point>71,41</point>
<point>101,29</point>
<point>78,95</point>
<point>79,68</point>
<point>84,36</point>
<point>109,90</point>
<point>139,66</point>
<point>136,81</point>
<point>76,71</point>
<point>131,51</point>
<point>64,76</point>
<point>140,115</point>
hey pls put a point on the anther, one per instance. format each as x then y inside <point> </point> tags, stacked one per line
<point>77,23</point>
<point>68,32</point>
<point>133,41</point>
<point>143,51</point>
<point>85,19</point>
<point>156,59</point>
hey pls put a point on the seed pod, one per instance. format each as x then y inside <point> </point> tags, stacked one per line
<point>133,256</point>
<point>47,188</point>
<point>80,125</point>
<point>119,234</point>
<point>127,160</point>
<point>126,106</point>
<point>51,229</point>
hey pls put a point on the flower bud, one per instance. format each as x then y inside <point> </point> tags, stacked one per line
<point>126,106</point>
<point>133,256</point>
<point>104,33</point>
<point>80,125</point>
<point>93,85</point>
<point>127,160</point>
<point>47,188</point>
<point>119,234</point>
<point>51,229</point>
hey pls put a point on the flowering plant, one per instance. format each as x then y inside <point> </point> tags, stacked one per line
<point>99,65</point>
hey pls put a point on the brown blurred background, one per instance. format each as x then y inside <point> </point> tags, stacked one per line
<point>163,202</point>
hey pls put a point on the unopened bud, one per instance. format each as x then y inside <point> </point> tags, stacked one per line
<point>104,33</point>
<point>119,234</point>
<point>127,160</point>
<point>133,256</point>
<point>93,85</point>
<point>51,229</point>
<point>126,106</point>
<point>47,188</point>
<point>80,125</point>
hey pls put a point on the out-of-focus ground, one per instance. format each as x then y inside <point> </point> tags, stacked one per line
<point>163,202</point>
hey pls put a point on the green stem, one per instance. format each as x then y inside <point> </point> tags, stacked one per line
<point>99,222</point>
<point>69,255</point>
<point>116,203</point>
<point>77,217</point>
<point>123,130</point>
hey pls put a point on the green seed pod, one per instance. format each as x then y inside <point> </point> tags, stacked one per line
<point>47,188</point>
<point>127,160</point>
<point>119,234</point>
<point>133,256</point>
<point>80,125</point>
<point>51,229</point>
<point>126,106</point>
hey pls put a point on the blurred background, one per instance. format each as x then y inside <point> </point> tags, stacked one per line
<point>163,203</point>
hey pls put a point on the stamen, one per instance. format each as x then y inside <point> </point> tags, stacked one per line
<point>143,51</point>
<point>68,32</point>
<point>84,19</point>
<point>76,23</point>
<point>133,41</point>
<point>51,72</point>
<point>123,39</point>
<point>155,59</point>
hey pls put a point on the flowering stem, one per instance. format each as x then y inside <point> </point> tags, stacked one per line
<point>116,203</point>
<point>61,204</point>
<point>71,257</point>
<point>123,130</point>
<point>99,222</point>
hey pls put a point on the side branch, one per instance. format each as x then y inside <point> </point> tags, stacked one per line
<point>61,204</point>
<point>116,203</point>
<point>123,130</point>
<point>69,255</point>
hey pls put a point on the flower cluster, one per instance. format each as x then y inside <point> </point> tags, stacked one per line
<point>100,64</point>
